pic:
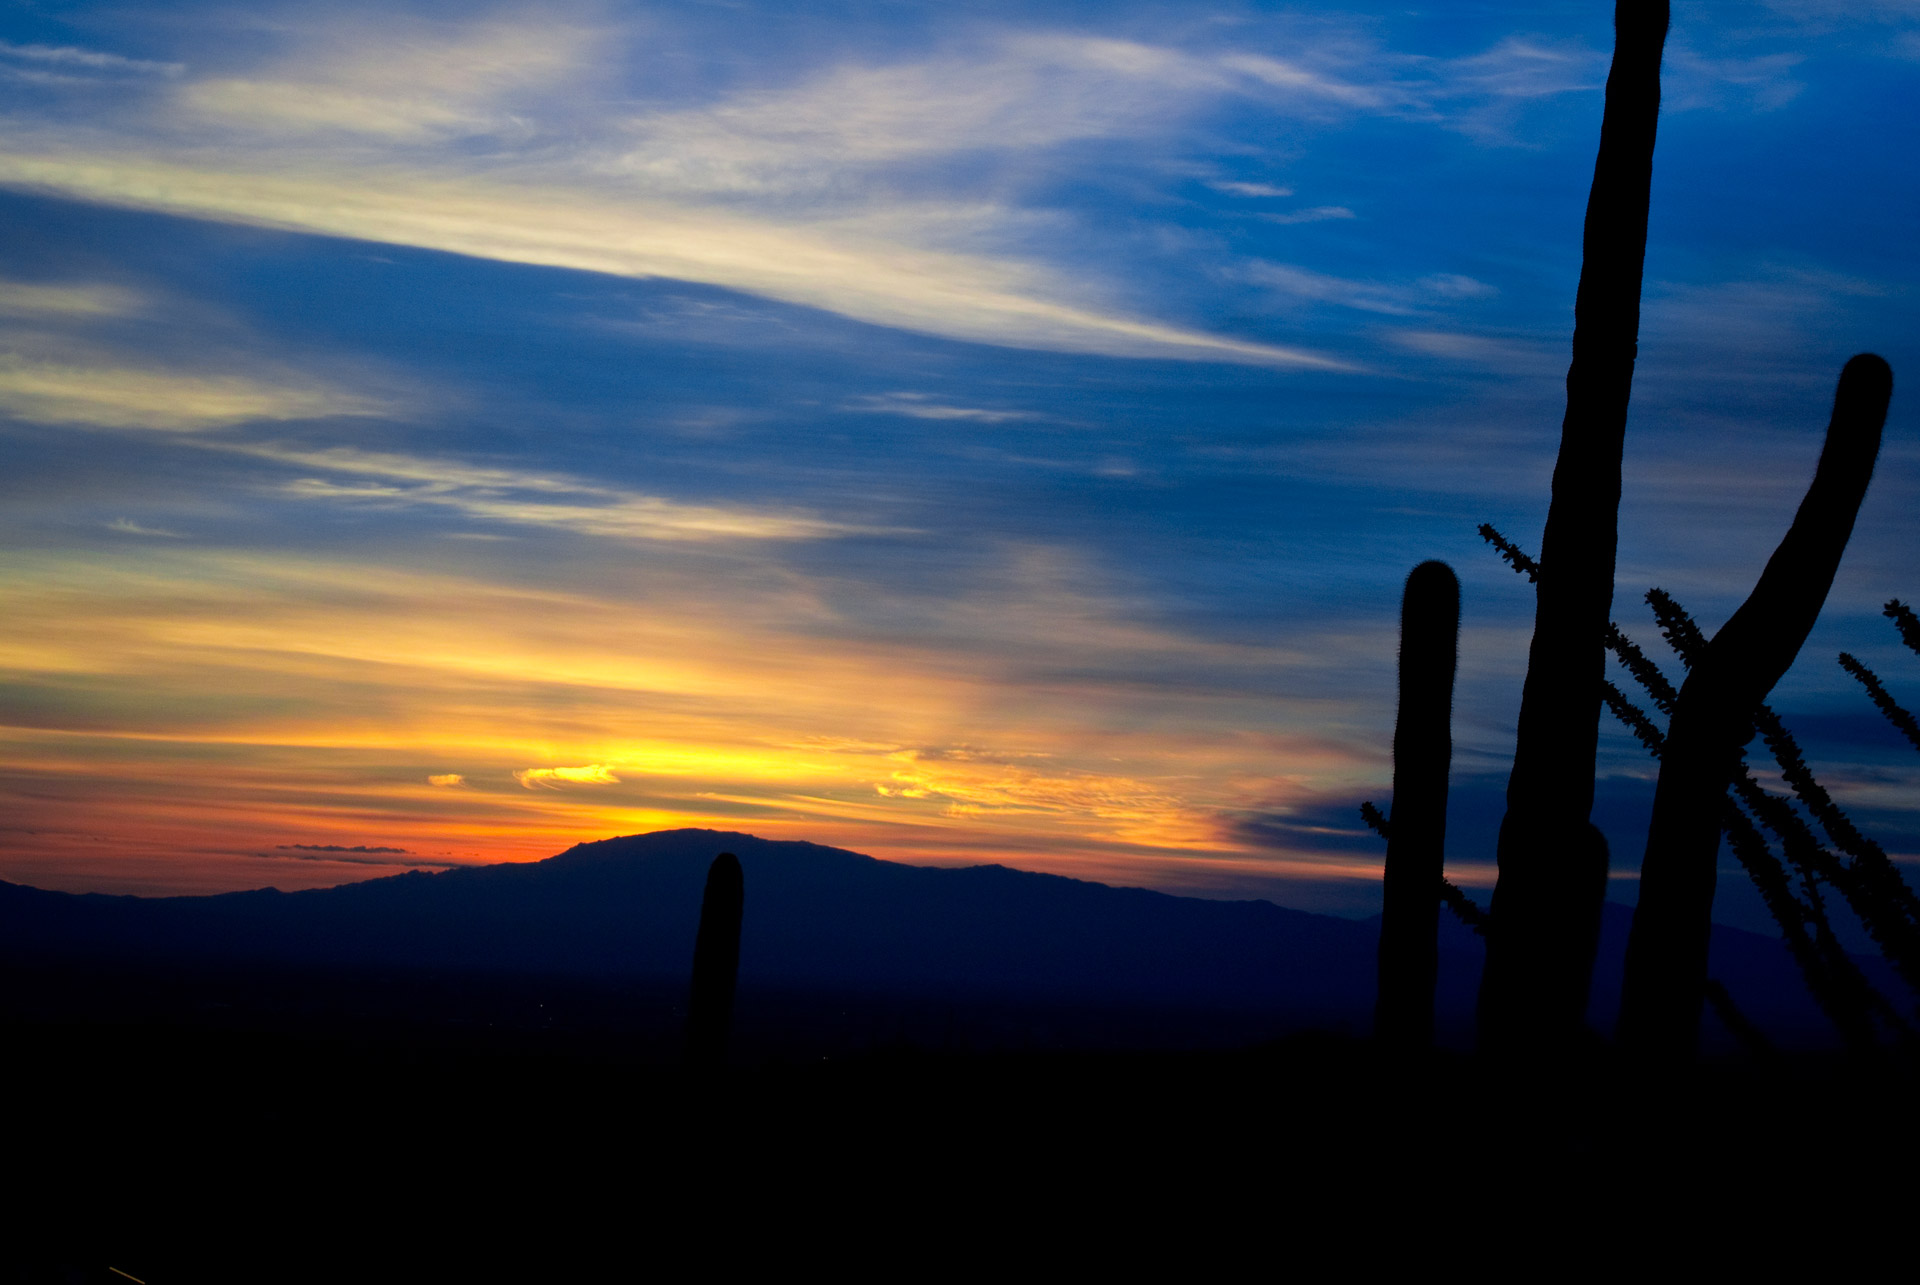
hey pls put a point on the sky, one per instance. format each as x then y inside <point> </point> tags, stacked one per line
<point>441,434</point>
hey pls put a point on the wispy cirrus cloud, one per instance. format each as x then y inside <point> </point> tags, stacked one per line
<point>1522,67</point>
<point>1022,92</point>
<point>125,397</point>
<point>923,406</point>
<point>70,62</point>
<point>1394,298</point>
<point>529,497</point>
<point>58,368</point>
<point>1508,354</point>
<point>1313,214</point>
<point>966,296</point>
<point>1263,191</point>
<point>414,82</point>
<point>68,300</point>
<point>1695,81</point>
<point>516,139</point>
<point>126,526</point>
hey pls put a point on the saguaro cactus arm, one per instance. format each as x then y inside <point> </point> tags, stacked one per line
<point>1667,951</point>
<point>1416,839</point>
<point>1535,986</point>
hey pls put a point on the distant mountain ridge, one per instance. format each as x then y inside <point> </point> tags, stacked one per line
<point>821,919</point>
<point>816,916</point>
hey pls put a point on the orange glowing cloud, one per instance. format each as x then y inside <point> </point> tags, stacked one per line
<point>553,778</point>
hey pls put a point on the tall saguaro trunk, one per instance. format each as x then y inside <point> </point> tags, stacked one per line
<point>1546,905</point>
<point>716,965</point>
<point>1666,972</point>
<point>1422,753</point>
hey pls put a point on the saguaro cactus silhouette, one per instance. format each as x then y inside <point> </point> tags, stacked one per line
<point>1552,862</point>
<point>1422,753</point>
<point>1713,718</point>
<point>716,964</point>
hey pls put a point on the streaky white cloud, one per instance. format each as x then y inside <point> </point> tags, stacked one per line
<point>1250,189</point>
<point>1831,11</point>
<point>528,498</point>
<point>72,58</point>
<point>1322,287</point>
<point>126,526</point>
<point>1312,83</point>
<point>68,300</point>
<point>518,139</point>
<point>965,296</point>
<point>1453,285</point>
<point>1485,95</point>
<point>1692,81</point>
<point>1506,355</point>
<point>1401,298</point>
<point>1316,214</point>
<point>922,406</point>
<point>126,397</point>
<point>407,80</point>
<point>1525,67</point>
<point>447,780</point>
<point>1021,93</point>
<point>1728,330</point>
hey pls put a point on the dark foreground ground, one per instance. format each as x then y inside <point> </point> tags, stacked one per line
<point>419,1128</point>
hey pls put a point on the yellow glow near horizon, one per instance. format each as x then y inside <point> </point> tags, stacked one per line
<point>221,720</point>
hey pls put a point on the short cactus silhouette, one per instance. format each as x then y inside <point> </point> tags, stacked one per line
<point>1713,719</point>
<point>716,965</point>
<point>1422,752</point>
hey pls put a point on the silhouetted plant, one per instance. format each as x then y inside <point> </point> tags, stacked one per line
<point>1832,976</point>
<point>1667,950</point>
<point>1544,921</point>
<point>1464,908</point>
<point>716,965</point>
<point>1553,863</point>
<point>1882,700</point>
<point>1880,914</point>
<point>1903,619</point>
<point>1750,1037</point>
<point>1422,752</point>
<point>1836,983</point>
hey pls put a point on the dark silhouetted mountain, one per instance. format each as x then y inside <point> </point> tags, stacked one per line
<point>826,922</point>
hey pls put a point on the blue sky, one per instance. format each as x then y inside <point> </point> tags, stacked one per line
<point>995,434</point>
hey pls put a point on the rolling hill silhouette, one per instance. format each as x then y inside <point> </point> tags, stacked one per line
<point>836,946</point>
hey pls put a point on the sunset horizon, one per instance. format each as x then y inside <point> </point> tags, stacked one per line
<point>717,632</point>
<point>438,440</point>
